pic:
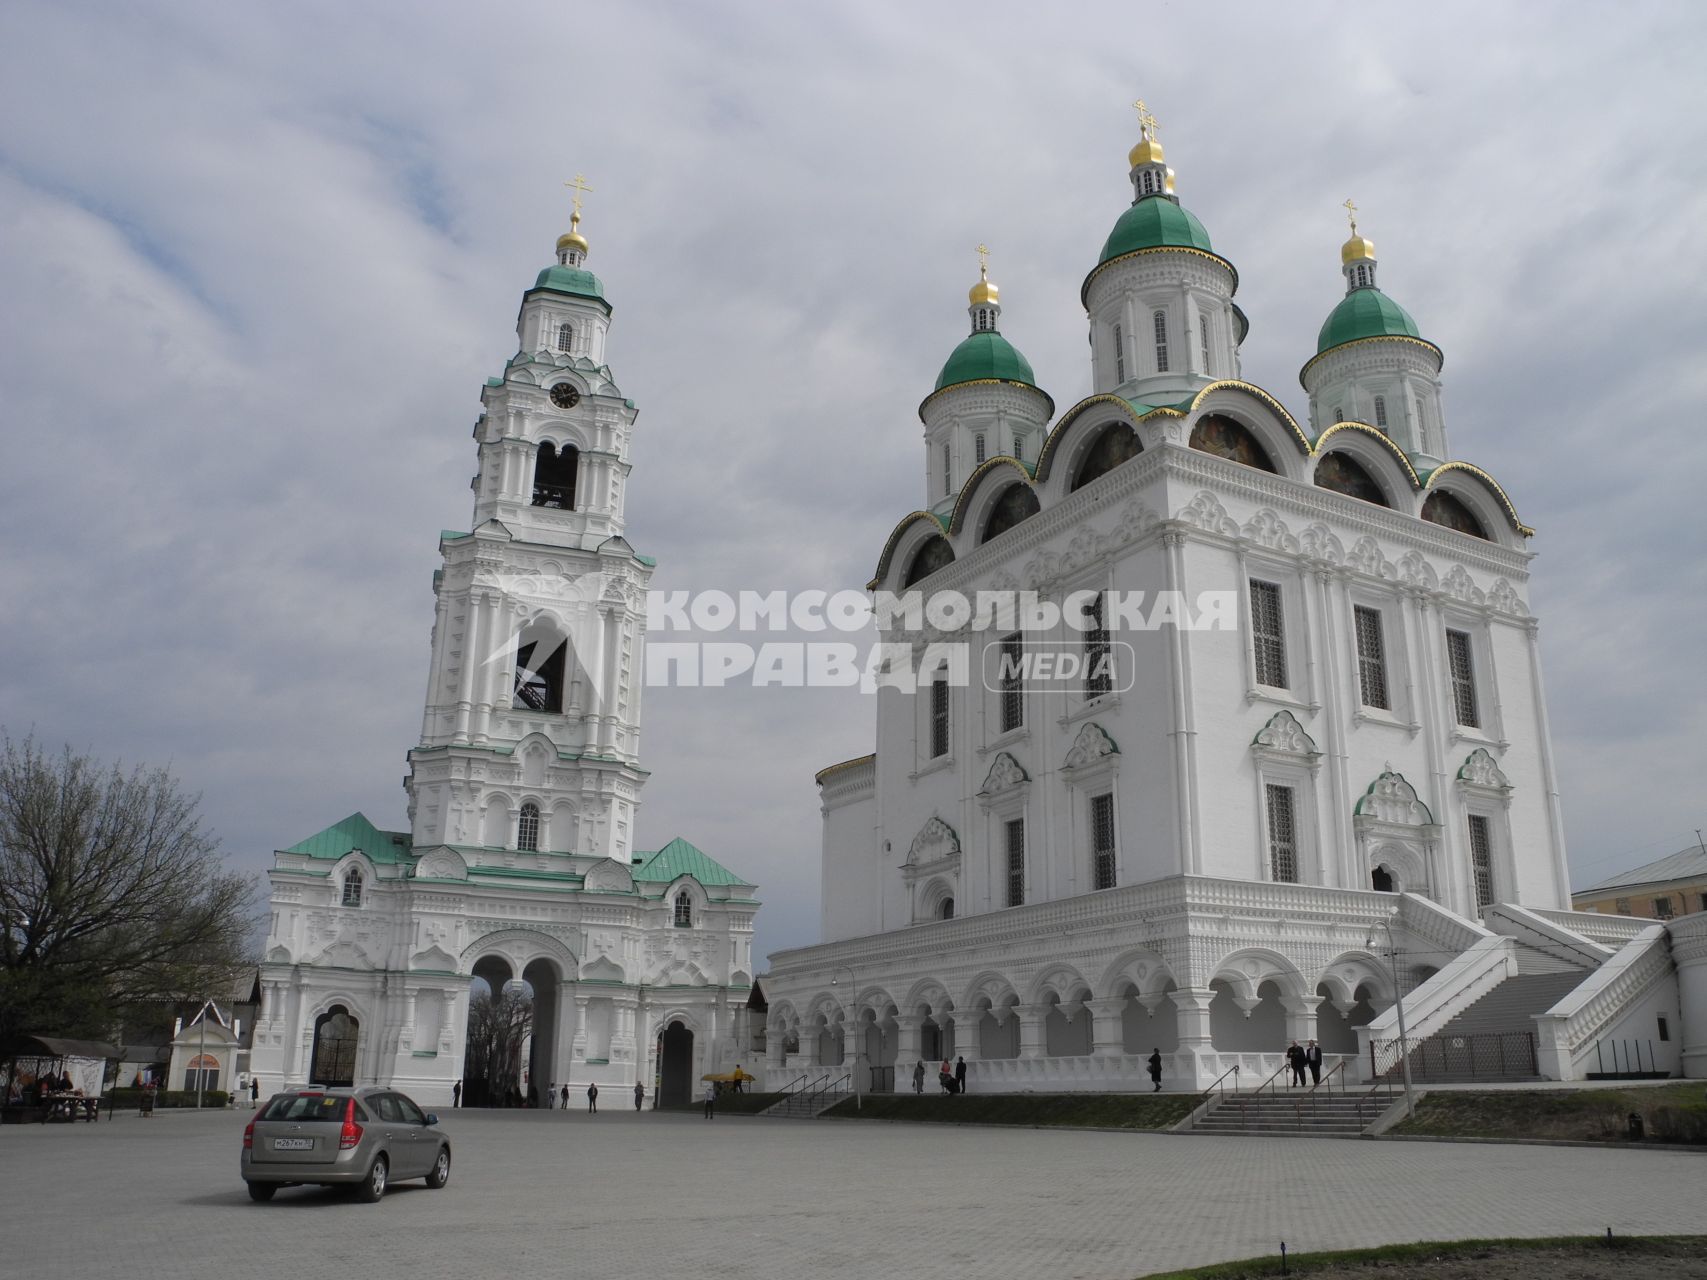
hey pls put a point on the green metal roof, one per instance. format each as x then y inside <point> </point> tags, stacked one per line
<point>679,858</point>
<point>1155,222</point>
<point>571,280</point>
<point>355,832</point>
<point>985,355</point>
<point>1365,313</point>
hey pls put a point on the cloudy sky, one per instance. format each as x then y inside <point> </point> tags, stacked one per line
<point>256,261</point>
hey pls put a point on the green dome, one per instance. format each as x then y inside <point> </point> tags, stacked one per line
<point>985,355</point>
<point>1155,223</point>
<point>571,280</point>
<point>1365,313</point>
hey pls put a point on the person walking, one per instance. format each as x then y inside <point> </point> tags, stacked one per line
<point>710,1097</point>
<point>566,1095</point>
<point>254,1091</point>
<point>960,1075</point>
<point>593,1098</point>
<point>1295,1060</point>
<point>550,1094</point>
<point>456,1095</point>
<point>919,1076</point>
<point>639,1094</point>
<point>1156,1069</point>
<point>1313,1060</point>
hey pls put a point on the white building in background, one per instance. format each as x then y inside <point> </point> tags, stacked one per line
<point>1204,853</point>
<point>519,861</point>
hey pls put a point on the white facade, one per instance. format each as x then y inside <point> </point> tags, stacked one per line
<point>519,862</point>
<point>1206,858</point>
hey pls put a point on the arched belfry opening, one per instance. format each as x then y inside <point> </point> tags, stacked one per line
<point>541,655</point>
<point>337,1034</point>
<point>675,1066</point>
<point>554,472</point>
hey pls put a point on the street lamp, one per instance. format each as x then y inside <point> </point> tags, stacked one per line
<point>853,990</point>
<point>1399,1005</point>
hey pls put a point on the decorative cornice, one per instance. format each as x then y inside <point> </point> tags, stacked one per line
<point>1423,343</point>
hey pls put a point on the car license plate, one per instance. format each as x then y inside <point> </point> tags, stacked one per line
<point>293,1144</point>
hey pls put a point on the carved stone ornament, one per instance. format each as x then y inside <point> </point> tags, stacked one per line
<point>1005,774</point>
<point>1268,530</point>
<point>1206,512</point>
<point>1393,800</point>
<point>1480,770</point>
<point>1092,745</point>
<point>936,840</point>
<point>441,864</point>
<point>1284,735</point>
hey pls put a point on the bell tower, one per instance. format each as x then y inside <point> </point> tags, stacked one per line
<point>530,741</point>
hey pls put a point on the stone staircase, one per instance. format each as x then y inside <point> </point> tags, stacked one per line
<point>1486,1041</point>
<point>805,1106</point>
<point>1295,1113</point>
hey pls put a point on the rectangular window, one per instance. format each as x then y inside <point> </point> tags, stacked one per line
<point>1018,452</point>
<point>1381,412</point>
<point>1621,906</point>
<point>939,717</point>
<point>1267,637</point>
<point>1016,861</point>
<point>1662,908</point>
<point>1102,841</point>
<point>1665,1030</point>
<point>1099,654</point>
<point>1203,337</point>
<point>1012,682</point>
<point>1463,671</point>
<point>1119,355</point>
<point>947,475</point>
<point>978,449</point>
<point>1161,325</point>
<point>1371,657</point>
<point>1282,835</point>
<point>1482,861</point>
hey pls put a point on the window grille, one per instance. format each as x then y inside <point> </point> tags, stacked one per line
<point>527,828</point>
<point>1339,414</point>
<point>1160,320</point>
<point>1282,835</point>
<point>1099,653</point>
<point>1371,657</point>
<point>1012,682</point>
<point>1018,451</point>
<point>1268,639</point>
<point>1102,841</point>
<point>978,450</point>
<point>1482,860</point>
<point>1119,355</point>
<point>1016,861</point>
<point>684,910</point>
<point>1462,666</point>
<point>565,334</point>
<point>352,888</point>
<point>939,717</point>
<point>1381,412</point>
<point>1203,338</point>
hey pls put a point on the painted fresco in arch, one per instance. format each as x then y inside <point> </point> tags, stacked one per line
<point>1227,439</point>
<point>1342,473</point>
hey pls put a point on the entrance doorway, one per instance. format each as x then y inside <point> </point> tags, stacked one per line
<point>336,1035</point>
<point>675,1066</point>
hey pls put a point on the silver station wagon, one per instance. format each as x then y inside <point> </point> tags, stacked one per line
<point>366,1138</point>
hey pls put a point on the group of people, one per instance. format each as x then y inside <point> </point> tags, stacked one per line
<point>1300,1060</point>
<point>555,1098</point>
<point>950,1075</point>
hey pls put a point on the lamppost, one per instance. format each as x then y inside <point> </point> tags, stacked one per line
<point>853,991</point>
<point>1399,1005</point>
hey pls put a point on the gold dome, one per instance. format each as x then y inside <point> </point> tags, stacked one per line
<point>1148,151</point>
<point>573,239</point>
<point>1356,249</point>
<point>984,292</point>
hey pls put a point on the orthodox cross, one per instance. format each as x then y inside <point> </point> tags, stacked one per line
<point>580,185</point>
<point>1351,212</point>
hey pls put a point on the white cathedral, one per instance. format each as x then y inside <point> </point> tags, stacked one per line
<point>519,865</point>
<point>1238,837</point>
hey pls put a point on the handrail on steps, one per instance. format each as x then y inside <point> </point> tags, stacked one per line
<point>1215,1086</point>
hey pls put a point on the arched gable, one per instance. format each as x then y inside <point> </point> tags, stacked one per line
<point>1084,420</point>
<point>903,541</point>
<point>1342,471</point>
<point>968,503</point>
<point>1255,410</point>
<point>1463,479</point>
<point>1247,969</point>
<point>520,947</point>
<point>1371,446</point>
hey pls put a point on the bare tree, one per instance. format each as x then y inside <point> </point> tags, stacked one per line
<point>110,893</point>
<point>498,1027</point>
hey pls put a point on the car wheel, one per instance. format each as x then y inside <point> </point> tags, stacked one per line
<point>441,1170</point>
<point>261,1192</point>
<point>373,1186</point>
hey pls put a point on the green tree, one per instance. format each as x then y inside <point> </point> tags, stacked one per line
<point>111,894</point>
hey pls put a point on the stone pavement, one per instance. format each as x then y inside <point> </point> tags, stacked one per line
<point>655,1195</point>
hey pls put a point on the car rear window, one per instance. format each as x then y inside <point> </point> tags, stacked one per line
<point>309,1106</point>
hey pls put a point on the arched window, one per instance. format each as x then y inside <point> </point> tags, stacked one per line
<point>527,828</point>
<point>1115,444</point>
<point>1339,414</point>
<point>1228,439</point>
<point>1119,355</point>
<point>684,910</point>
<point>933,554</point>
<point>1381,412</point>
<point>336,1035</point>
<point>352,887</point>
<point>1160,320</point>
<point>1018,503</point>
<point>1203,339</point>
<point>945,912</point>
<point>1018,451</point>
<point>554,476</point>
<point>539,673</point>
<point>565,336</point>
<point>1344,474</point>
<point>978,449</point>
<point>947,473</point>
<point>1443,508</point>
<point>202,1072</point>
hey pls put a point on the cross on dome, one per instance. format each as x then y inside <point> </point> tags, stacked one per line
<point>572,248</point>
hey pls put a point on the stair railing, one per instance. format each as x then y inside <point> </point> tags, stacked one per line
<point>1215,1086</point>
<point>793,1091</point>
<point>1244,1100</point>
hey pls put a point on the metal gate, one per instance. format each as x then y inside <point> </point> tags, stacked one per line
<point>1479,1055</point>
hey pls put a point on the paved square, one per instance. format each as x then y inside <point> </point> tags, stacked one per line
<point>620,1194</point>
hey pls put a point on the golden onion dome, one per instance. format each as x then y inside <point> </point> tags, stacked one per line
<point>1148,151</point>
<point>572,239</point>
<point>984,292</point>
<point>1357,249</point>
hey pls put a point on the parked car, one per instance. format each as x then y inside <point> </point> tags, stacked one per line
<point>367,1138</point>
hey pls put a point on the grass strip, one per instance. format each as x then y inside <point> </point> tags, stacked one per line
<point>1076,1110</point>
<point>1387,1257</point>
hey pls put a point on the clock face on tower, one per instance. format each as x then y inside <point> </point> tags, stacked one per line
<point>565,396</point>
